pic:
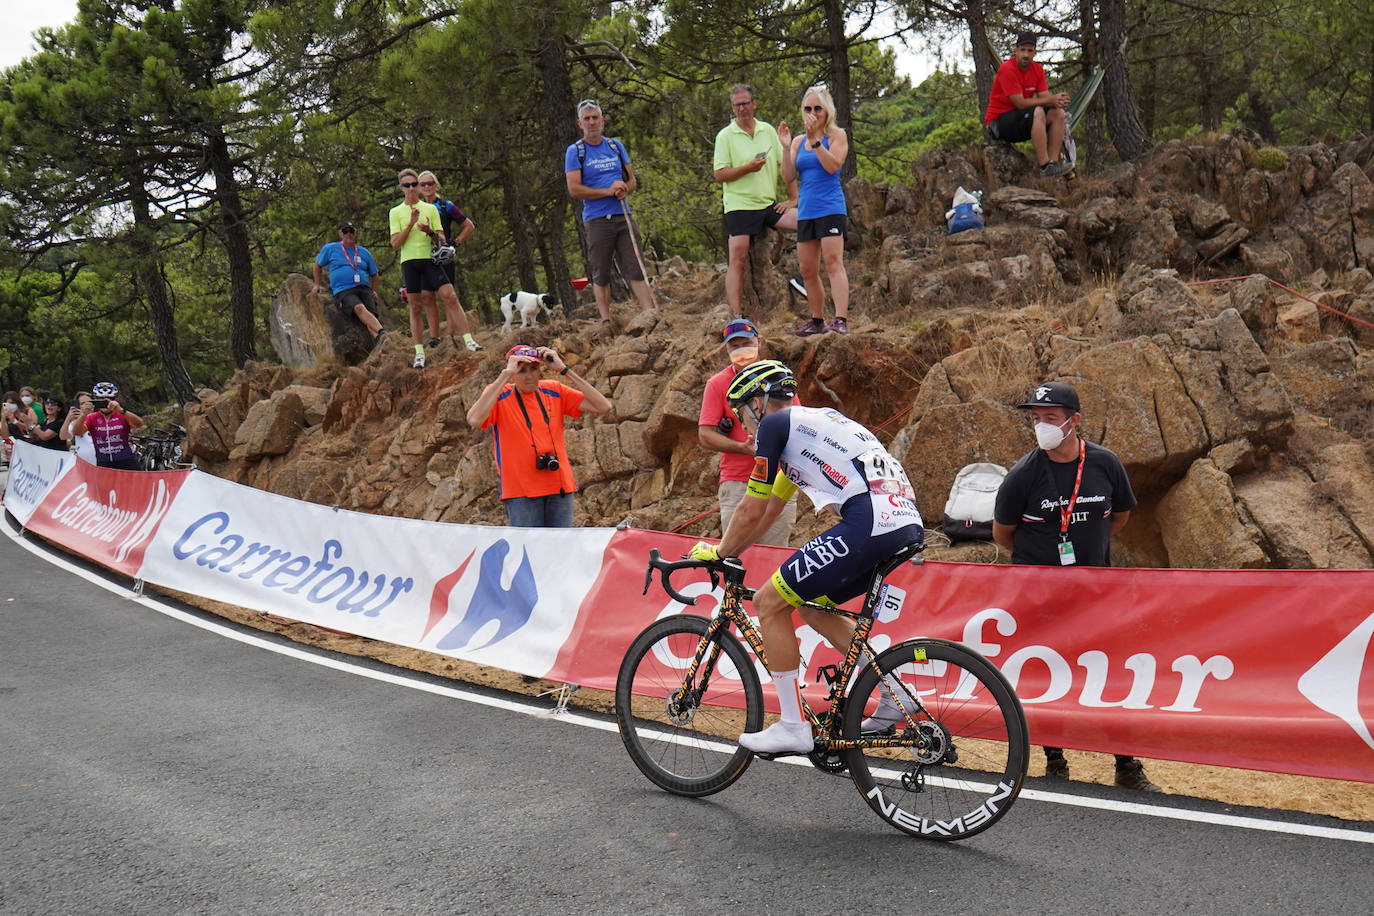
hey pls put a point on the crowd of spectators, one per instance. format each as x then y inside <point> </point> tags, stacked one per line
<point>95,426</point>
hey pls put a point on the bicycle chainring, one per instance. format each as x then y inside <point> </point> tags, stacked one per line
<point>831,762</point>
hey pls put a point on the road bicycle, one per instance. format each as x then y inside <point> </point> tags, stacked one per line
<point>949,767</point>
<point>160,450</point>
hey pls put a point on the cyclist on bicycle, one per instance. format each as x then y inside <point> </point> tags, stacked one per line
<point>842,467</point>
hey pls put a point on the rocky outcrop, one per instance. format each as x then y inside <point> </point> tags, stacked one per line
<point>307,329</point>
<point>1240,410</point>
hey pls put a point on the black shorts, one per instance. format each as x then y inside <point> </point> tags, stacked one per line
<point>422,275</point>
<point>822,227</point>
<point>1015,126</point>
<point>750,222</point>
<point>347,299</point>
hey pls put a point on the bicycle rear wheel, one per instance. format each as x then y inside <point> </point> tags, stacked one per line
<point>957,758</point>
<point>682,735</point>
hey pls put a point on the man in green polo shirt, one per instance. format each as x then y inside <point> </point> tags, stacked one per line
<point>747,163</point>
<point>416,229</point>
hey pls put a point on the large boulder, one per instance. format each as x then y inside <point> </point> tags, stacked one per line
<point>1202,527</point>
<point>307,329</point>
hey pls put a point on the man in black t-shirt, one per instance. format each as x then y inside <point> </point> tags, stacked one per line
<point>1059,506</point>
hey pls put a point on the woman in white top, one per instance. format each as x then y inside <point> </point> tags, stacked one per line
<point>83,445</point>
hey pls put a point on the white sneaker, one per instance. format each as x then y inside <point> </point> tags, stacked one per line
<point>887,713</point>
<point>473,345</point>
<point>780,737</point>
<point>419,361</point>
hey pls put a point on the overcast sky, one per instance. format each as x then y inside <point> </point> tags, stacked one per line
<point>20,18</point>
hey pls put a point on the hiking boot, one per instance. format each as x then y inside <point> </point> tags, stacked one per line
<point>814,326</point>
<point>432,342</point>
<point>1055,169</point>
<point>377,340</point>
<point>797,285</point>
<point>884,717</point>
<point>780,738</point>
<point>419,362</point>
<point>1131,775</point>
<point>839,325</point>
<point>1056,768</point>
<point>473,345</point>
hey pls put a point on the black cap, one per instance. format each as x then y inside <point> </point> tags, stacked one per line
<point>1053,394</point>
<point>1025,38</point>
<point>346,224</point>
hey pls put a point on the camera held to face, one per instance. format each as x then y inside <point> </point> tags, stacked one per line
<point>546,462</point>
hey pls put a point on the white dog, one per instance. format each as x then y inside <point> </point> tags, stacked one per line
<point>528,305</point>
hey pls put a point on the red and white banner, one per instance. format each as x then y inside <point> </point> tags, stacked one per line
<point>1266,669</point>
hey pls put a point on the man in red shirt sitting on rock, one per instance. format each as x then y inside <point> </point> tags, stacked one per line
<point>1021,107</point>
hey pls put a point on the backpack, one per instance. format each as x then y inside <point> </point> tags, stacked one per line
<point>615,145</point>
<point>969,509</point>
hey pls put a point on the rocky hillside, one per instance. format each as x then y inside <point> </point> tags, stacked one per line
<point>1241,409</point>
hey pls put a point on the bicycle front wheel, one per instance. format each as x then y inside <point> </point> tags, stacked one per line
<point>682,732</point>
<point>953,762</point>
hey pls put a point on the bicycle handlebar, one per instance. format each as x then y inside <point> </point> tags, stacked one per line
<point>730,568</point>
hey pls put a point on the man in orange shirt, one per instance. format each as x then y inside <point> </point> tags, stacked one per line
<point>1021,107</point>
<point>527,413</point>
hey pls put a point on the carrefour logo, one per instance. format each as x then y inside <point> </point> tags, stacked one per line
<point>319,578</point>
<point>1333,683</point>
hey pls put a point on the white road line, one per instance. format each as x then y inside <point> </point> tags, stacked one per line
<point>414,683</point>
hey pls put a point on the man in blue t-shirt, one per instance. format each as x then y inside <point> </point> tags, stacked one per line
<point>352,277</point>
<point>599,174</point>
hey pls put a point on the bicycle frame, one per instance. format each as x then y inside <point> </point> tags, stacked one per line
<point>731,611</point>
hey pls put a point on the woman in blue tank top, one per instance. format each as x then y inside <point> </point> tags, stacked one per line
<point>814,159</point>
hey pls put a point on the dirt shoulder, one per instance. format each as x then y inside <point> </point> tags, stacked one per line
<point>1252,788</point>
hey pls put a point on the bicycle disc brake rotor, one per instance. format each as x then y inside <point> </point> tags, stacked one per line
<point>681,706</point>
<point>933,745</point>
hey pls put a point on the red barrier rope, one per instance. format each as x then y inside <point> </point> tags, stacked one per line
<point>1287,290</point>
<point>693,520</point>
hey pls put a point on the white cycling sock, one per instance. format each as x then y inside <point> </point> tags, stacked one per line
<point>789,696</point>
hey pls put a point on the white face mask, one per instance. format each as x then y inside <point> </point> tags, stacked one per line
<point>26,398</point>
<point>1048,436</point>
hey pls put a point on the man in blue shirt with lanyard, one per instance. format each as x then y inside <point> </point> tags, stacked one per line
<point>1059,506</point>
<point>599,174</point>
<point>352,278</point>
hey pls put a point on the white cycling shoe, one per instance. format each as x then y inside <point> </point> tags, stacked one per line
<point>884,717</point>
<point>780,738</point>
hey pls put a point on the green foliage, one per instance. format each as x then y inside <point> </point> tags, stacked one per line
<point>1271,159</point>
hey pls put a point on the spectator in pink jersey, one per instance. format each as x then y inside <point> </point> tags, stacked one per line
<point>111,428</point>
<point>719,431</point>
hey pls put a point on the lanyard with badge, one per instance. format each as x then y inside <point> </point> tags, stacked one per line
<point>357,277</point>
<point>1066,556</point>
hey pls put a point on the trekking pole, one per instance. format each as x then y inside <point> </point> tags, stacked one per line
<point>639,257</point>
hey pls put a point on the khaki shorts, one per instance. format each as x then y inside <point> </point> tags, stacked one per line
<point>731,493</point>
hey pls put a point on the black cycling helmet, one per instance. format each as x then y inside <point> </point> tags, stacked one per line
<point>104,390</point>
<point>765,377</point>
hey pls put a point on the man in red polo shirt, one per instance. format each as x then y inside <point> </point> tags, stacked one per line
<point>1021,107</point>
<point>527,413</point>
<point>720,431</point>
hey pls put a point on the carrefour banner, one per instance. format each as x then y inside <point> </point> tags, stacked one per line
<point>496,596</point>
<point>1265,669</point>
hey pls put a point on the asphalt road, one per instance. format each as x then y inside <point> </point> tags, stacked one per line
<point>151,766</point>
